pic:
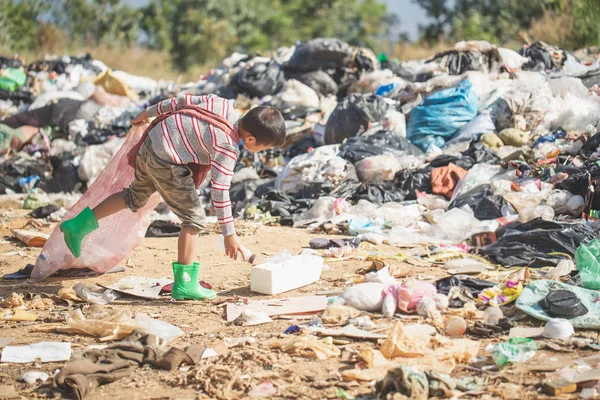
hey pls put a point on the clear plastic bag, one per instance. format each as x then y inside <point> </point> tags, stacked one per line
<point>377,169</point>
<point>101,250</point>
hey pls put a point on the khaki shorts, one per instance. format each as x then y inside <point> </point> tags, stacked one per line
<point>173,182</point>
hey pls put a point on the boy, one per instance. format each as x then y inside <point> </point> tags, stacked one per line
<point>190,136</point>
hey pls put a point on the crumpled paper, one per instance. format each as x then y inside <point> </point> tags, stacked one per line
<point>436,353</point>
<point>308,346</point>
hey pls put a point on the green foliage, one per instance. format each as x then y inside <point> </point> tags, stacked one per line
<point>499,21</point>
<point>587,23</point>
<point>201,31</point>
<point>18,22</point>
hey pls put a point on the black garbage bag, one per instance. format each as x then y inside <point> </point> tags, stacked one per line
<point>60,65</point>
<point>160,228</point>
<point>591,145</point>
<point>44,211</point>
<point>243,193</point>
<point>16,167</point>
<point>379,193</point>
<point>460,62</point>
<point>577,183</point>
<point>319,81</point>
<point>57,115</point>
<point>353,114</point>
<point>64,175</point>
<point>21,96</point>
<point>472,197</point>
<point>541,57</point>
<point>284,206</point>
<point>443,160</point>
<point>470,288</point>
<point>532,243</point>
<point>489,207</point>
<point>6,62</point>
<point>291,112</point>
<point>258,79</point>
<point>411,180</point>
<point>480,154</point>
<point>590,78</point>
<point>356,148</point>
<point>320,54</point>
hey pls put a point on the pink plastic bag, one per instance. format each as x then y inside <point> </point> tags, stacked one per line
<point>411,292</point>
<point>118,234</point>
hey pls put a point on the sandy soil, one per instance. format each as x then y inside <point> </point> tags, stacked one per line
<point>203,322</point>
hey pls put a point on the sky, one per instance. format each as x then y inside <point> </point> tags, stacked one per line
<point>411,15</point>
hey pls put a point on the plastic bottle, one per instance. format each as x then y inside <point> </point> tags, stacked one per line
<point>246,254</point>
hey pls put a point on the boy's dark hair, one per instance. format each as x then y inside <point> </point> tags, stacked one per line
<point>266,124</point>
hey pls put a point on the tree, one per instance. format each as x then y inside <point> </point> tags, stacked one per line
<point>201,31</point>
<point>18,23</point>
<point>499,21</point>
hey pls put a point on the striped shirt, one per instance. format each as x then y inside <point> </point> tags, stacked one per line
<point>183,139</point>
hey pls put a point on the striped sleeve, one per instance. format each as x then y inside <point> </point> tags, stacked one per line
<point>221,166</point>
<point>175,104</point>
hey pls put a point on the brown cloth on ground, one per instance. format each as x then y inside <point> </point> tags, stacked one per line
<point>99,367</point>
<point>444,179</point>
<point>199,171</point>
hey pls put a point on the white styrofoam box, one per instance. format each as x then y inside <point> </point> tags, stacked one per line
<point>286,274</point>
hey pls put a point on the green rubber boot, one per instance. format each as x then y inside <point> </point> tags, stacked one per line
<point>77,229</point>
<point>187,286</point>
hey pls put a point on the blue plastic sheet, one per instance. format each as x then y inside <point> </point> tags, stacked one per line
<point>441,115</point>
<point>529,302</point>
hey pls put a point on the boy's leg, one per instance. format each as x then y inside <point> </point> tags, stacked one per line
<point>177,188</point>
<point>186,245</point>
<point>112,204</point>
<point>133,197</point>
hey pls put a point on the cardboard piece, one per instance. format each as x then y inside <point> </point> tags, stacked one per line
<point>31,238</point>
<point>290,306</point>
<point>525,332</point>
<point>8,392</point>
<point>140,286</point>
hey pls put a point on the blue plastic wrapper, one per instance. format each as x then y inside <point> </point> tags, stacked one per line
<point>441,115</point>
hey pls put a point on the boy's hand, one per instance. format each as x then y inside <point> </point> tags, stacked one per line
<point>140,119</point>
<point>232,246</point>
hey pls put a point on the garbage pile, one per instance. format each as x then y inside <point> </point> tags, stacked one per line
<point>464,182</point>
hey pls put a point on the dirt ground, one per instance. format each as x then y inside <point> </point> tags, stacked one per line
<point>203,322</point>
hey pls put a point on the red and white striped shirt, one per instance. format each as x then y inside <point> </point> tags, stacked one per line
<point>183,139</point>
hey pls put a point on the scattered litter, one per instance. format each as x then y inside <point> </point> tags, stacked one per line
<point>251,318</point>
<point>42,352</point>
<point>517,350</point>
<point>276,307</point>
<point>32,377</point>
<point>95,295</point>
<point>140,286</point>
<point>31,238</point>
<point>306,345</point>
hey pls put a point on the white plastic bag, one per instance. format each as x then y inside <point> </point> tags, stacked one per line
<point>377,169</point>
<point>96,158</point>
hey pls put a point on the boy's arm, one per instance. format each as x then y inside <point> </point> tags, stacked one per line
<point>175,104</point>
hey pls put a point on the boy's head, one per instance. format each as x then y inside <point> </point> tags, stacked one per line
<point>262,128</point>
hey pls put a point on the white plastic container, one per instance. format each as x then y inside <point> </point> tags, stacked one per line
<point>284,272</point>
<point>247,254</point>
